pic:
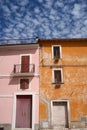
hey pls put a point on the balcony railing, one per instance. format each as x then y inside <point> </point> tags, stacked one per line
<point>24,70</point>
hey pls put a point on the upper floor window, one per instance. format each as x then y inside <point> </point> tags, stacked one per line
<point>56,52</point>
<point>57,75</point>
<point>24,83</point>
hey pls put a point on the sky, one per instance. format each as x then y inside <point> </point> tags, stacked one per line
<point>43,18</point>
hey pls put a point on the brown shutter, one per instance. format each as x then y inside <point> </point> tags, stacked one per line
<point>24,83</point>
<point>57,52</point>
<point>25,63</point>
<point>57,76</point>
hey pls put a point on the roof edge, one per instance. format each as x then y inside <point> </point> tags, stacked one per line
<point>63,39</point>
<point>18,46</point>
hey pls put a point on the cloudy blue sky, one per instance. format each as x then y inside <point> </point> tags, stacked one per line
<point>43,18</point>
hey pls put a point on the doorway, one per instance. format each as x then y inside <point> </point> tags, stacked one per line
<point>60,114</point>
<point>23,111</point>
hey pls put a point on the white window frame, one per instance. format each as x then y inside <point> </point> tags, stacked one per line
<point>53,79</point>
<point>53,51</point>
<point>26,55</point>
<point>68,109</point>
<point>14,109</point>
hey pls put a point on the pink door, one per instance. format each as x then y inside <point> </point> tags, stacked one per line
<point>25,63</point>
<point>24,111</point>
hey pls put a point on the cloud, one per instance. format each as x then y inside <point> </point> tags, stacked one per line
<point>13,7</point>
<point>76,10</point>
<point>37,10</point>
<point>40,1</point>
<point>59,4</point>
<point>43,18</point>
<point>85,22</point>
<point>20,25</point>
<point>48,4</point>
<point>22,2</point>
<point>6,11</point>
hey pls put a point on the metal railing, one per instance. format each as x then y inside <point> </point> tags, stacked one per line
<point>18,68</point>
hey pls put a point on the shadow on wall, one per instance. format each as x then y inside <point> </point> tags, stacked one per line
<point>16,80</point>
<point>13,81</point>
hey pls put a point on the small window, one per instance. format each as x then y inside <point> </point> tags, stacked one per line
<point>24,83</point>
<point>57,76</point>
<point>56,52</point>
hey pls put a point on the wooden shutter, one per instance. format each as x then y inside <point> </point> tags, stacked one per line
<point>25,63</point>
<point>56,52</point>
<point>57,76</point>
<point>24,83</point>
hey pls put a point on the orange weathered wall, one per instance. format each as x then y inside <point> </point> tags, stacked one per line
<point>74,66</point>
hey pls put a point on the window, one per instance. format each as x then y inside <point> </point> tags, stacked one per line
<point>56,51</point>
<point>57,76</point>
<point>24,83</point>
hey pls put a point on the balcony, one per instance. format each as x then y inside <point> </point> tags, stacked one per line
<point>24,70</point>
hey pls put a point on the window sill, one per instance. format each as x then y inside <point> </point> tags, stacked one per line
<point>58,83</point>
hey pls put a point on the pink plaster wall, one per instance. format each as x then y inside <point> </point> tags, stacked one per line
<point>9,58</point>
<point>6,110</point>
<point>36,109</point>
<point>10,85</point>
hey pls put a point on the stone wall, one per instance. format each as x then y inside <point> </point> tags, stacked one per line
<point>5,126</point>
<point>74,87</point>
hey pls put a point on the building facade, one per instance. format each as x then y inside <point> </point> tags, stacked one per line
<point>63,83</point>
<point>19,86</point>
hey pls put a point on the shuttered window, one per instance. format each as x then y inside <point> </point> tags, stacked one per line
<point>24,83</point>
<point>57,76</point>
<point>56,52</point>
